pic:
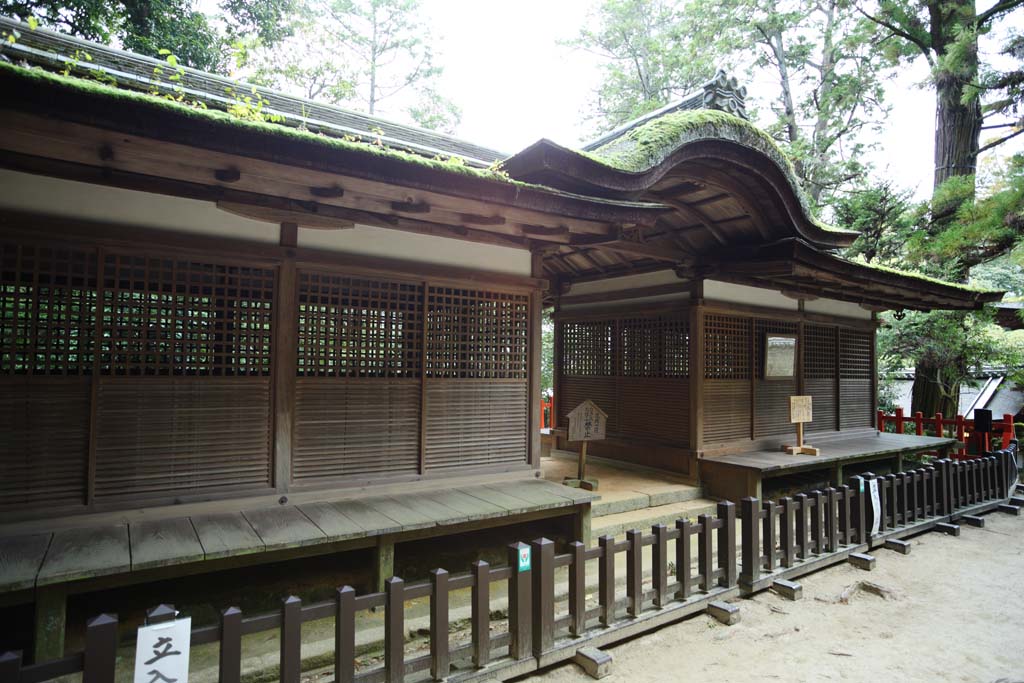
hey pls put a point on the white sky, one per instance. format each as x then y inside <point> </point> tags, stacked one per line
<point>515,83</point>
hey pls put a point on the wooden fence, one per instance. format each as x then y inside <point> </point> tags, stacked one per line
<point>778,540</point>
<point>958,427</point>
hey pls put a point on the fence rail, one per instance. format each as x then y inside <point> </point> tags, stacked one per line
<point>778,539</point>
<point>958,427</point>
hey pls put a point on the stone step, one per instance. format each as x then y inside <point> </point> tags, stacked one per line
<point>618,501</point>
<point>619,523</point>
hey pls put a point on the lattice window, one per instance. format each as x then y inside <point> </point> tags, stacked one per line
<point>588,348</point>
<point>654,346</point>
<point>726,347</point>
<point>819,352</point>
<point>762,328</point>
<point>855,352</point>
<point>358,327</point>
<point>477,334</point>
<point>47,310</point>
<point>177,316</point>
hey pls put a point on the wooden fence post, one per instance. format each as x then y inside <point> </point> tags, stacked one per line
<point>345,635</point>
<point>899,420</point>
<point>10,666</point>
<point>803,521</point>
<point>786,531</point>
<point>291,640</point>
<point>866,512</point>
<point>543,551</point>
<point>659,558</point>
<point>881,418</point>
<point>606,580</point>
<point>394,630</point>
<point>481,613</point>
<point>818,522</point>
<point>577,589</point>
<point>634,573</point>
<point>683,560</point>
<point>231,646</point>
<point>831,520</point>
<point>518,604</point>
<point>749,541</point>
<point>727,543</point>
<point>845,521</point>
<point>769,511</point>
<point>705,558</point>
<point>939,424</point>
<point>919,423</point>
<point>439,660</point>
<point>100,659</point>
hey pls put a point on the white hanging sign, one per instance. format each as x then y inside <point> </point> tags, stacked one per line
<point>876,507</point>
<point>161,653</point>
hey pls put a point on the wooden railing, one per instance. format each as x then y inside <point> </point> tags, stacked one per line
<point>957,427</point>
<point>778,540</point>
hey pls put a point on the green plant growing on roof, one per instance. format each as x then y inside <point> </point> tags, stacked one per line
<point>171,90</point>
<point>249,107</point>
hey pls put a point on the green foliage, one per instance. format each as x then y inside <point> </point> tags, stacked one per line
<point>364,54</point>
<point>653,51</point>
<point>881,213</point>
<point>148,26</point>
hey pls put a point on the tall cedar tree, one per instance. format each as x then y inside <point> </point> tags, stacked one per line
<point>945,33</point>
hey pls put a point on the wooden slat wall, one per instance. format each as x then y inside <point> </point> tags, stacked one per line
<point>821,375</point>
<point>636,368</point>
<point>44,441</point>
<point>856,387</point>
<point>359,364</point>
<point>47,325</point>
<point>475,423</point>
<point>728,353</point>
<point>477,378</point>
<point>355,427</point>
<point>161,436</point>
<point>771,396</point>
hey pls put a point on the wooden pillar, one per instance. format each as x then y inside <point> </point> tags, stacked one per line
<point>424,335</point>
<point>696,368</point>
<point>582,524</point>
<point>384,562</point>
<point>286,324</point>
<point>536,329</point>
<point>51,619</point>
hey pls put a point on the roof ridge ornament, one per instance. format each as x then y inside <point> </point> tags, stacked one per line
<point>724,92</point>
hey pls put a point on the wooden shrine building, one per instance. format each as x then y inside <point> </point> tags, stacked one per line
<point>228,339</point>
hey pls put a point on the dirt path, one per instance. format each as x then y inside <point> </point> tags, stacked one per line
<point>957,614</point>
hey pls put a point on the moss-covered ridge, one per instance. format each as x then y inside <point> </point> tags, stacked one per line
<point>651,143</point>
<point>223,118</point>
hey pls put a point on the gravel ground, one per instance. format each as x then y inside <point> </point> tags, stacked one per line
<point>952,611</point>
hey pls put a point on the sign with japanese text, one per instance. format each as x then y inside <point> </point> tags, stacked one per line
<point>161,653</point>
<point>799,409</point>
<point>587,422</point>
<point>524,559</point>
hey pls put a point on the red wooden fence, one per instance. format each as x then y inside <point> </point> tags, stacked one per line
<point>547,418</point>
<point>958,427</point>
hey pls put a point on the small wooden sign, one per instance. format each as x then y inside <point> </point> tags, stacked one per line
<point>587,422</point>
<point>799,413</point>
<point>799,409</point>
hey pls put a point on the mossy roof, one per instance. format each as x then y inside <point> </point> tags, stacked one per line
<point>649,144</point>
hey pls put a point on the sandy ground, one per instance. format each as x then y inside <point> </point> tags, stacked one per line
<point>957,614</point>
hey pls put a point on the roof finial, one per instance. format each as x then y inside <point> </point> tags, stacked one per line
<point>725,93</point>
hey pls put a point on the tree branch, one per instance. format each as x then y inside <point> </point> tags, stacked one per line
<point>999,142</point>
<point>998,8</point>
<point>923,46</point>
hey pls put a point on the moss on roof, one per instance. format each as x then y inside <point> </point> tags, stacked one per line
<point>924,278</point>
<point>252,121</point>
<point>647,145</point>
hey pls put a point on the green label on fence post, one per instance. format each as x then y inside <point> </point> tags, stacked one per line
<point>524,559</point>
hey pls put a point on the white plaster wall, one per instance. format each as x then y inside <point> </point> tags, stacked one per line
<point>408,246</point>
<point>57,197</point>
<point>681,296</point>
<point>614,284</point>
<point>751,296</point>
<point>840,308</point>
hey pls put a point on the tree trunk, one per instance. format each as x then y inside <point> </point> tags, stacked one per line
<point>927,396</point>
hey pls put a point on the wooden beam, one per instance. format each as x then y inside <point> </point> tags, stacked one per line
<point>308,219</point>
<point>289,235</point>
<point>697,215</point>
<point>285,340</point>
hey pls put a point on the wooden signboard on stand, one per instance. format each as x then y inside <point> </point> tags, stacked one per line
<point>586,423</point>
<point>800,411</point>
